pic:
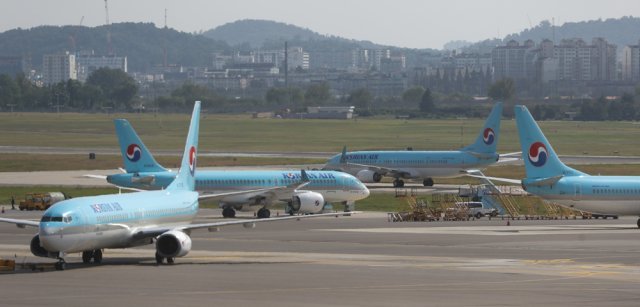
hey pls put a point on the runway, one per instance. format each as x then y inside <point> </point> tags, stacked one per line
<point>355,261</point>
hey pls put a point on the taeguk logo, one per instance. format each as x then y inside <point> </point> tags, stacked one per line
<point>538,154</point>
<point>488,136</point>
<point>192,160</point>
<point>134,152</point>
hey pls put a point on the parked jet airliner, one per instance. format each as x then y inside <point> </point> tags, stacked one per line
<point>371,166</point>
<point>549,178</point>
<point>90,224</point>
<point>263,187</point>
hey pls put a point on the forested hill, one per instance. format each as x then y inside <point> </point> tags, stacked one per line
<point>621,32</point>
<point>142,43</point>
<point>268,34</point>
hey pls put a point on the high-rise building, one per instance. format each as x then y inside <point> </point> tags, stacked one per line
<point>631,63</point>
<point>515,61</point>
<point>87,63</point>
<point>58,67</point>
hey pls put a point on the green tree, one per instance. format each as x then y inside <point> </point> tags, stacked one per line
<point>413,95</point>
<point>291,96</point>
<point>502,90</point>
<point>427,103</point>
<point>360,98</point>
<point>9,91</point>
<point>118,87</point>
<point>318,94</point>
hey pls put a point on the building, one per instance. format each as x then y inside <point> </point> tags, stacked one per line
<point>87,63</point>
<point>59,67</point>
<point>515,61</point>
<point>631,63</point>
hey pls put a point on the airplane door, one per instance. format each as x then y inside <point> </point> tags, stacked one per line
<point>577,192</point>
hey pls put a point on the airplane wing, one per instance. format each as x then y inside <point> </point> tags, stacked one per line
<point>95,176</point>
<point>21,223</point>
<point>249,223</point>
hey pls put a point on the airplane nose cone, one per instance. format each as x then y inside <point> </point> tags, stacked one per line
<point>365,191</point>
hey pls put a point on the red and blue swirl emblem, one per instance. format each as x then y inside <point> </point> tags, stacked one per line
<point>192,160</point>
<point>538,154</point>
<point>488,136</point>
<point>134,152</point>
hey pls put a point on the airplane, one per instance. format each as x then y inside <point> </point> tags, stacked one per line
<point>263,187</point>
<point>91,224</point>
<point>371,166</point>
<point>552,180</point>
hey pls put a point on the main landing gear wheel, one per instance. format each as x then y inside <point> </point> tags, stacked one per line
<point>264,213</point>
<point>86,256</point>
<point>398,183</point>
<point>159,259</point>
<point>228,212</point>
<point>97,256</point>
<point>428,182</point>
<point>170,260</point>
<point>638,223</point>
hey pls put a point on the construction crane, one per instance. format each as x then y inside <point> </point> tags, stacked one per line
<point>109,46</point>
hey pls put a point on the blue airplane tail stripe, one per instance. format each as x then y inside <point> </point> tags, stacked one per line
<point>185,180</point>
<point>539,158</point>
<point>487,140</point>
<point>135,155</point>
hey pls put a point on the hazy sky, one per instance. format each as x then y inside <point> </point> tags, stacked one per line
<point>405,23</point>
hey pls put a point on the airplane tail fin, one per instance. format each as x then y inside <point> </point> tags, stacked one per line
<point>487,140</point>
<point>185,180</point>
<point>135,155</point>
<point>540,159</point>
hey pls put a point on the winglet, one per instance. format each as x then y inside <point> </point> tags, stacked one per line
<point>185,180</point>
<point>343,156</point>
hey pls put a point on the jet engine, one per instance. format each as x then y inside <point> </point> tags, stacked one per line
<point>368,176</point>
<point>307,202</point>
<point>173,243</point>
<point>38,250</point>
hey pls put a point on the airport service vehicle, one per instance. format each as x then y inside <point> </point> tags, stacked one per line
<point>41,201</point>
<point>263,187</point>
<point>91,224</point>
<point>477,210</point>
<point>550,179</point>
<point>371,166</point>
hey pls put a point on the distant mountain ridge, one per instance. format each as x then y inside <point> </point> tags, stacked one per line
<point>621,32</point>
<point>142,43</point>
<point>262,33</point>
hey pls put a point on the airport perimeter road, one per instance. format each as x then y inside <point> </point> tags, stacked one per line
<point>357,261</point>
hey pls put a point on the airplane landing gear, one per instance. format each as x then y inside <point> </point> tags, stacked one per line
<point>638,223</point>
<point>428,182</point>
<point>264,213</point>
<point>398,183</point>
<point>96,255</point>
<point>61,265</point>
<point>228,212</point>
<point>160,259</point>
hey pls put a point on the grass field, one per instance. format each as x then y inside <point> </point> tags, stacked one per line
<point>241,133</point>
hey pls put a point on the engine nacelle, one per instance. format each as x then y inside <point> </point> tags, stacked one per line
<point>368,176</point>
<point>173,243</point>
<point>307,202</point>
<point>38,250</point>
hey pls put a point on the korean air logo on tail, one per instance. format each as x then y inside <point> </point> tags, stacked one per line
<point>488,136</point>
<point>192,160</point>
<point>538,154</point>
<point>134,152</point>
